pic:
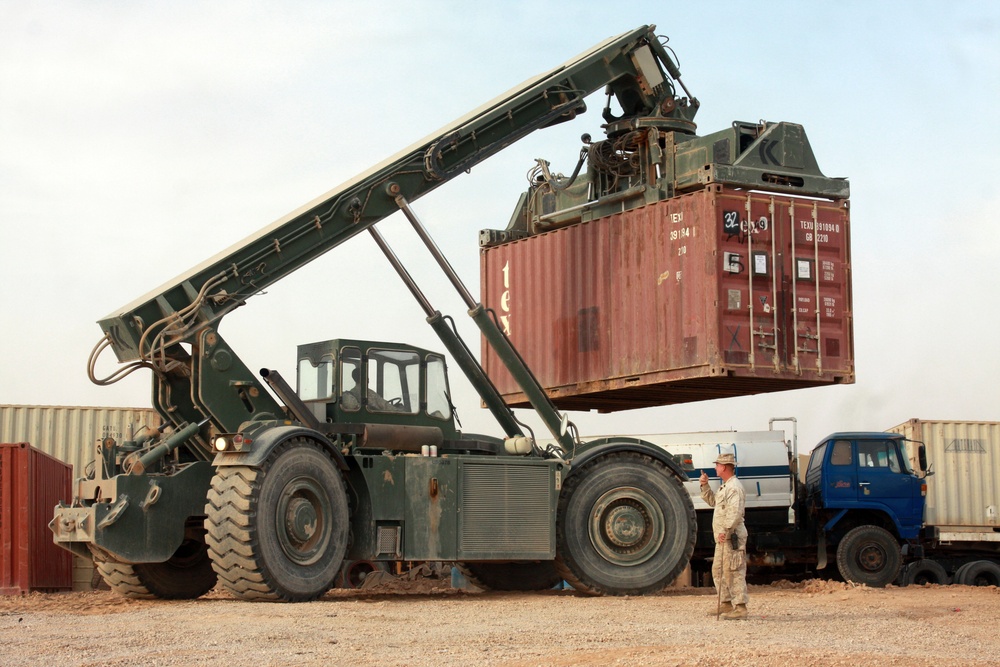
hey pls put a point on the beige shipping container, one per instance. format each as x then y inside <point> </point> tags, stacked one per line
<point>71,434</point>
<point>963,493</point>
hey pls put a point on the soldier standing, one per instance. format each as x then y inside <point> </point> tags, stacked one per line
<point>729,567</point>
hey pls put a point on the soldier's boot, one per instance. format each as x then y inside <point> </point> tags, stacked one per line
<point>739,613</point>
<point>725,608</point>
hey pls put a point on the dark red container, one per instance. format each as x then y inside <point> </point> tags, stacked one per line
<point>31,484</point>
<point>707,295</point>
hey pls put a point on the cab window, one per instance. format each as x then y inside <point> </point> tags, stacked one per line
<point>315,379</point>
<point>878,454</point>
<point>350,373</point>
<point>438,398</point>
<point>841,454</point>
<point>393,381</point>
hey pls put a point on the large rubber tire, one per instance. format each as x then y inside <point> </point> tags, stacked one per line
<point>869,555</point>
<point>518,576</point>
<point>186,576</point>
<point>978,573</point>
<point>625,526</point>
<point>924,572</point>
<point>279,532</point>
<point>960,573</point>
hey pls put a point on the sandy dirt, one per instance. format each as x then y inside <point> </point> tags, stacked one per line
<point>418,623</point>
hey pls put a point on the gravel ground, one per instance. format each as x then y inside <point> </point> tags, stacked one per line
<point>415,624</point>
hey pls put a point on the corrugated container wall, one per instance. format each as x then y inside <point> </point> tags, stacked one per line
<point>707,295</point>
<point>71,434</point>
<point>31,484</point>
<point>964,491</point>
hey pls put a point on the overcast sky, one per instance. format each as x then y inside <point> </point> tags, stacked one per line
<point>138,139</point>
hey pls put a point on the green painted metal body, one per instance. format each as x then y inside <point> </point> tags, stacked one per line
<point>135,518</point>
<point>459,507</point>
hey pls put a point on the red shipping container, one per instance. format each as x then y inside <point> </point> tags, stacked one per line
<point>712,294</point>
<point>31,484</point>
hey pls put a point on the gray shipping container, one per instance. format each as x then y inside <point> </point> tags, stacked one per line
<point>71,434</point>
<point>963,493</point>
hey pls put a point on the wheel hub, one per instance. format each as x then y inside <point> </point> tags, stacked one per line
<point>300,522</point>
<point>303,515</point>
<point>871,558</point>
<point>626,526</point>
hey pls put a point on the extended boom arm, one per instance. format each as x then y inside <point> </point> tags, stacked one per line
<point>173,330</point>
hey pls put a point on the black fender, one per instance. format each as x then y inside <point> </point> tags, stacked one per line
<point>266,440</point>
<point>603,446</point>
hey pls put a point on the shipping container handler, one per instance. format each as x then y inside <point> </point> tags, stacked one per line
<point>269,493</point>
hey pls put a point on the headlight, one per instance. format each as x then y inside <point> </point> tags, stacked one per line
<point>220,444</point>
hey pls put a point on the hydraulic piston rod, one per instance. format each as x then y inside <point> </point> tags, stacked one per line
<point>455,345</point>
<point>176,439</point>
<point>495,337</point>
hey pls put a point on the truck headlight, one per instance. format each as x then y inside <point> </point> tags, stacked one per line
<point>221,444</point>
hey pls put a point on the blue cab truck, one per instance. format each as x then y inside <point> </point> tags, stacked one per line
<point>859,504</point>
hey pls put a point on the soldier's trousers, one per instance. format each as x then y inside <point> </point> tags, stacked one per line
<point>729,572</point>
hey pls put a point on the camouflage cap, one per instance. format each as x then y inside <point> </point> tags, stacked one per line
<point>726,459</point>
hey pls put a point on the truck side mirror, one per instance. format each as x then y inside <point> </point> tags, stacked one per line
<point>922,458</point>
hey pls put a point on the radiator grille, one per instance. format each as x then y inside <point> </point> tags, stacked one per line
<point>506,510</point>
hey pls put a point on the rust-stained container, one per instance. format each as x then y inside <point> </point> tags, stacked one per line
<point>71,434</point>
<point>31,484</point>
<point>707,295</point>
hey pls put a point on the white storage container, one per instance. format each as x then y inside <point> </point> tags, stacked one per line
<point>963,493</point>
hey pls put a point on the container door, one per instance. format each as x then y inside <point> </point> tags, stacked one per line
<point>751,276</point>
<point>816,272</point>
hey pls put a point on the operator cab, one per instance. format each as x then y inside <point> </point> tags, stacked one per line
<point>354,381</point>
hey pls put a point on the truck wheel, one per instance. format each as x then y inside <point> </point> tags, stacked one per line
<point>869,555</point>
<point>978,573</point>
<point>924,572</point>
<point>626,526</point>
<point>279,532</point>
<point>520,576</point>
<point>186,576</point>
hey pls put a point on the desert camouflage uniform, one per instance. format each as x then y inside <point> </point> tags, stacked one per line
<point>729,568</point>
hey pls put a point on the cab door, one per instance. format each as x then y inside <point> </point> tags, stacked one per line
<point>884,477</point>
